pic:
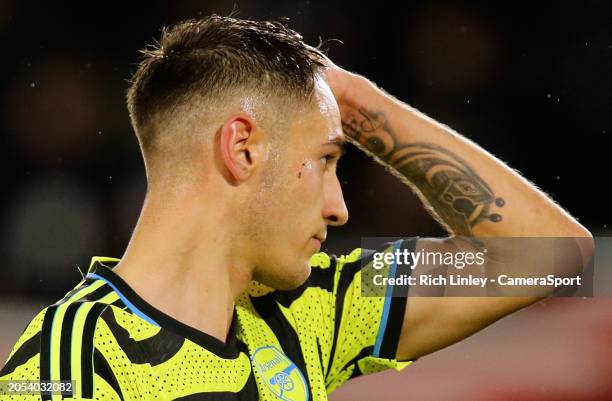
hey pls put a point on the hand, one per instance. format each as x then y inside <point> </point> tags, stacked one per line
<point>338,80</point>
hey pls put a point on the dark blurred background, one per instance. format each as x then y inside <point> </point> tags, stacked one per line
<point>528,81</point>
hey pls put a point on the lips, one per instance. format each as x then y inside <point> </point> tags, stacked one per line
<point>319,238</point>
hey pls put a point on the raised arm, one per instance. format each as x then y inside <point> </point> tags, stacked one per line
<point>465,188</point>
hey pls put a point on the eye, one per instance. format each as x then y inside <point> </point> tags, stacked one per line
<point>326,159</point>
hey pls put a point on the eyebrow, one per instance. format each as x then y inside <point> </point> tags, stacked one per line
<point>340,143</point>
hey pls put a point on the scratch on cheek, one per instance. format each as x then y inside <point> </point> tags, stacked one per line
<point>300,172</point>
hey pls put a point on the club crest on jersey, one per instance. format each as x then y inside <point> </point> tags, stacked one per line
<point>280,374</point>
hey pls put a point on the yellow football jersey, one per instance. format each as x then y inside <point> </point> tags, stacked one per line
<point>294,345</point>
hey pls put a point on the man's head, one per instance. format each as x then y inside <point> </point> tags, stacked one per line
<point>238,112</point>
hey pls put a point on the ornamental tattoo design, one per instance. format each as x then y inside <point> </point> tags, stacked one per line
<point>458,195</point>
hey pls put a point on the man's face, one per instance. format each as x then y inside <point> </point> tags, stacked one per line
<point>302,195</point>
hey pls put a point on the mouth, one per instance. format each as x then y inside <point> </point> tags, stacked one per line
<point>317,242</point>
<point>319,239</point>
<point>321,235</point>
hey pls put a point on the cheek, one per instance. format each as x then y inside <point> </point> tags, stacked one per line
<point>309,175</point>
<point>304,169</point>
<point>299,195</point>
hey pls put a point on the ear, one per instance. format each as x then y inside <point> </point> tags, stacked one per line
<point>238,143</point>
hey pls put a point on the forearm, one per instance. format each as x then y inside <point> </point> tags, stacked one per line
<point>464,187</point>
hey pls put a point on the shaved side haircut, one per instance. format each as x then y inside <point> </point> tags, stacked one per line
<point>187,80</point>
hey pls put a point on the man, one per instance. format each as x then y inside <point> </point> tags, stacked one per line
<point>241,128</point>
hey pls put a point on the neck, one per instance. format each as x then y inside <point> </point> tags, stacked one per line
<point>180,261</point>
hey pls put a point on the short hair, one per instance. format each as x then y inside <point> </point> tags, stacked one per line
<point>209,57</point>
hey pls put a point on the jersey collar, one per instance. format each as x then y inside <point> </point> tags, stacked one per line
<point>101,268</point>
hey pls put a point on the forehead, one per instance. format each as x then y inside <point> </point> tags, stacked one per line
<point>321,122</point>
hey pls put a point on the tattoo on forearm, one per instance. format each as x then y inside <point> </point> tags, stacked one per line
<point>457,194</point>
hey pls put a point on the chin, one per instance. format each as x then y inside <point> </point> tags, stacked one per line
<point>304,276</point>
<point>287,282</point>
<point>296,280</point>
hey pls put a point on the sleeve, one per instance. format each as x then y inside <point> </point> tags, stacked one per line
<point>364,321</point>
<point>23,363</point>
<point>38,361</point>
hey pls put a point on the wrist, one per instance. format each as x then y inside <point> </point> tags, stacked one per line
<point>363,94</point>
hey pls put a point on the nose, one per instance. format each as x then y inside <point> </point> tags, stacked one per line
<point>335,212</point>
